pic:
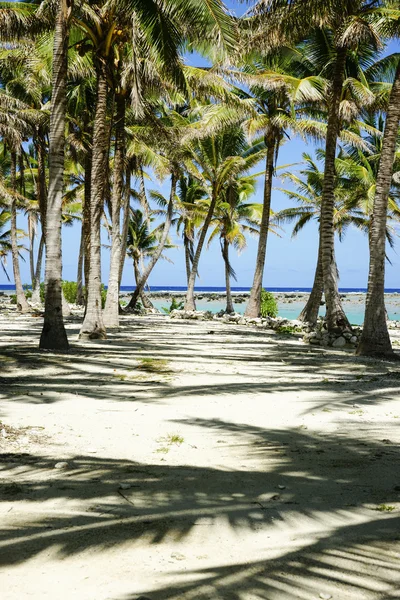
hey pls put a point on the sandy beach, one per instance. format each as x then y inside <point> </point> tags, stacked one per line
<point>196,460</point>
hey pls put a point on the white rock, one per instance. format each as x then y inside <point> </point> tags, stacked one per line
<point>124,486</point>
<point>353,339</point>
<point>61,465</point>
<point>325,596</point>
<point>339,342</point>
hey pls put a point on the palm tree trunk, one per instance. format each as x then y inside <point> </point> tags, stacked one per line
<point>375,340</point>
<point>335,317</point>
<point>309,314</point>
<point>22,304</point>
<point>143,198</point>
<point>186,243</point>
<point>145,300</point>
<point>79,274</point>
<point>36,282</point>
<point>53,335</point>
<point>32,235</point>
<point>225,253</point>
<point>190,302</point>
<point>254,304</point>
<point>125,222</point>
<point>147,303</point>
<point>86,215</point>
<point>93,325</point>
<point>111,310</point>
<point>140,286</point>
<point>41,188</point>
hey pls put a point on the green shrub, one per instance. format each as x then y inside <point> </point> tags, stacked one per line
<point>175,305</point>
<point>70,289</point>
<point>103,295</point>
<point>269,306</point>
<point>27,292</point>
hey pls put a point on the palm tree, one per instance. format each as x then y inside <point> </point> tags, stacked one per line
<point>354,184</point>
<point>162,242</point>
<point>191,214</point>
<point>234,217</point>
<point>106,33</point>
<point>375,340</point>
<point>5,240</point>
<point>22,303</point>
<point>222,159</point>
<point>350,25</point>
<point>143,243</point>
<point>53,335</point>
<point>281,89</point>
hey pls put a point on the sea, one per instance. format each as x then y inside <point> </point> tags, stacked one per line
<point>354,307</point>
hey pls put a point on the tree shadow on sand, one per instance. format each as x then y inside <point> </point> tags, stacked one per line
<point>335,484</point>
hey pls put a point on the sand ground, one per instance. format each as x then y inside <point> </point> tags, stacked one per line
<point>204,461</point>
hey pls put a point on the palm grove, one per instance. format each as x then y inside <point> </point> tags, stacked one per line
<point>96,95</point>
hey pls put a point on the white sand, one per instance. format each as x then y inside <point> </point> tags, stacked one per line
<point>255,466</point>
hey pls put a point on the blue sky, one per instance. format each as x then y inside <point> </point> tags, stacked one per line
<point>290,262</point>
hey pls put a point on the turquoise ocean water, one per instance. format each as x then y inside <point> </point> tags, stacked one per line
<point>353,305</point>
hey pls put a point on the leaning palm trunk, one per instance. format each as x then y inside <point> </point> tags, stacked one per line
<point>225,255</point>
<point>309,314</point>
<point>93,325</point>
<point>188,265</point>
<point>138,276</point>
<point>38,270</point>
<point>22,304</point>
<point>164,236</point>
<point>53,335</point>
<point>254,304</point>
<point>190,302</point>
<point>375,340</point>
<point>111,310</point>
<point>335,316</point>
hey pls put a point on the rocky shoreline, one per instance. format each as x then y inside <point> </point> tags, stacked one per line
<point>241,297</point>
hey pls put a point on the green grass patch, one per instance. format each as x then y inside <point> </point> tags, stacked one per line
<point>154,365</point>
<point>162,450</point>
<point>385,508</point>
<point>288,329</point>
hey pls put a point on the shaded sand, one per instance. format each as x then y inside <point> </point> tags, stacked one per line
<point>231,464</point>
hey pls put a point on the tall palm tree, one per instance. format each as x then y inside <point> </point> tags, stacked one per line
<point>350,24</point>
<point>5,240</point>
<point>281,88</point>
<point>354,186</point>
<point>162,242</point>
<point>106,32</point>
<point>221,159</point>
<point>53,335</point>
<point>191,213</point>
<point>375,340</point>
<point>142,241</point>
<point>234,217</point>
